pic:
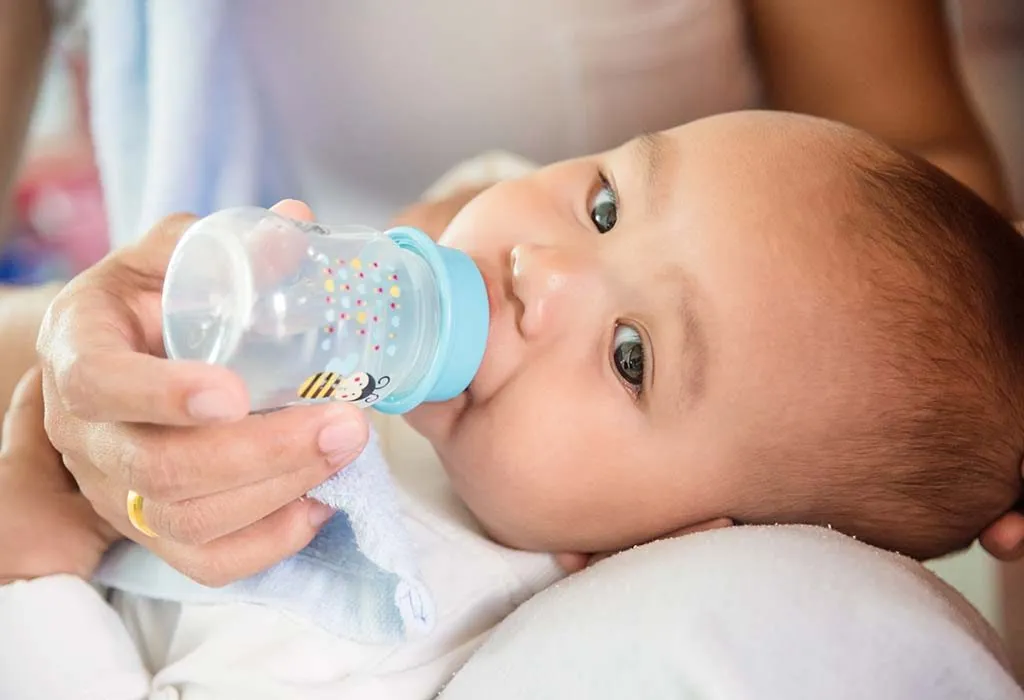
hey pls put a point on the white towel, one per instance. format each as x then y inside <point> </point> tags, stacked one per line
<point>772,613</point>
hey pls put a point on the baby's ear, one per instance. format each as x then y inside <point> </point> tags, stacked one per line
<point>1020,227</point>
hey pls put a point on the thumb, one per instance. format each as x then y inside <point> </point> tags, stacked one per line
<point>293,209</point>
<point>151,254</point>
<point>23,429</point>
<point>24,445</point>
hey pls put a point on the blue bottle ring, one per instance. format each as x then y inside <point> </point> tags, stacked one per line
<point>464,323</point>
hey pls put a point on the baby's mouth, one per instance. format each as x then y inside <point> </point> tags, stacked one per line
<point>494,289</point>
<point>501,302</point>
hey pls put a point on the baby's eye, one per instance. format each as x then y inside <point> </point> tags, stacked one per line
<point>628,356</point>
<point>604,207</point>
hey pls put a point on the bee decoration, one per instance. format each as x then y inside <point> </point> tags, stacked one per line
<point>360,386</point>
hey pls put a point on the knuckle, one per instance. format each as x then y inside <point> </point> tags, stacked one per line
<point>174,222</point>
<point>186,522</point>
<point>74,387</point>
<point>54,425</point>
<point>169,229</point>
<point>148,470</point>
<point>49,325</point>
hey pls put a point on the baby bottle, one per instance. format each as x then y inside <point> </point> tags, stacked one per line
<point>306,313</point>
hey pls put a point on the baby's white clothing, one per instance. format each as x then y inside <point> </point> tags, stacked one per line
<point>62,640</point>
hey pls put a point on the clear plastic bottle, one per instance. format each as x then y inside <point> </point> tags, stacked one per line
<point>305,313</point>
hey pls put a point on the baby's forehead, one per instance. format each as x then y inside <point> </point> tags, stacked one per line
<point>756,190</point>
<point>774,141</point>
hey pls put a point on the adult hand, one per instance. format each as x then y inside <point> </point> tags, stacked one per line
<point>46,526</point>
<point>1004,539</point>
<point>222,490</point>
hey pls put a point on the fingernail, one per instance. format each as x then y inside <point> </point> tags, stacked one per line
<point>338,440</point>
<point>319,513</point>
<point>213,404</point>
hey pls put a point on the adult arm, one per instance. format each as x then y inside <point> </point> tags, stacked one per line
<point>25,27</point>
<point>885,67</point>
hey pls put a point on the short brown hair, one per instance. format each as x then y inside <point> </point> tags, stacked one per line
<point>944,461</point>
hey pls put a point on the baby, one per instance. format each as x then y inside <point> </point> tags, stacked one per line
<point>752,318</point>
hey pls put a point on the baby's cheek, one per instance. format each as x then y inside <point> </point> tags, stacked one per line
<point>506,214</point>
<point>521,484</point>
<point>472,225</point>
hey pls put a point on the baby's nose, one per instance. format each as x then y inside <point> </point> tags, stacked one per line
<point>557,287</point>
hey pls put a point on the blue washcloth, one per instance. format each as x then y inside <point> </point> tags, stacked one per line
<point>357,578</point>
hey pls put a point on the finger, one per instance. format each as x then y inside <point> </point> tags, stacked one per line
<point>80,516</point>
<point>106,497</point>
<point>277,247</point>
<point>249,551</point>
<point>149,256</point>
<point>202,520</point>
<point>571,562</point>
<point>97,366</point>
<point>293,209</point>
<point>66,535</point>
<point>1004,539</point>
<point>24,447</point>
<point>119,385</point>
<point>23,425</point>
<point>175,464</point>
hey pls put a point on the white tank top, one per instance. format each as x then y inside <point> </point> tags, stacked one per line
<point>357,105</point>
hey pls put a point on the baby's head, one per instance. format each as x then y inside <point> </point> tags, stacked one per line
<point>760,316</point>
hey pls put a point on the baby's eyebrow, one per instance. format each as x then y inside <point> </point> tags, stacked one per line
<point>650,151</point>
<point>694,352</point>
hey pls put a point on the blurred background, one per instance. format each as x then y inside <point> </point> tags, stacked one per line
<point>57,225</point>
<point>990,35</point>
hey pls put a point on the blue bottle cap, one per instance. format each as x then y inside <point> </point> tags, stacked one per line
<point>465,321</point>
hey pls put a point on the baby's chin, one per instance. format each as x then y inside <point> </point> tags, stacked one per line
<point>436,420</point>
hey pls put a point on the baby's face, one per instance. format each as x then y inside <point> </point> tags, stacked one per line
<point>662,316</point>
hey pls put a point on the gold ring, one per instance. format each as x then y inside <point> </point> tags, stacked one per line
<point>135,517</point>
